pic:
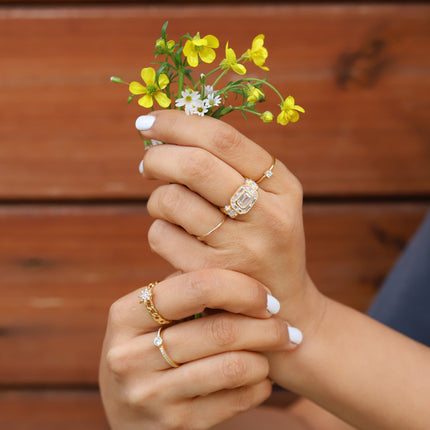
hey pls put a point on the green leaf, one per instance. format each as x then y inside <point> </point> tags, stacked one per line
<point>163,30</point>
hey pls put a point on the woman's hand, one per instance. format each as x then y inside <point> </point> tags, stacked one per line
<point>220,373</point>
<point>206,161</point>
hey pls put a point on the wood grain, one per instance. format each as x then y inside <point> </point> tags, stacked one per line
<point>51,410</point>
<point>63,266</point>
<point>362,72</point>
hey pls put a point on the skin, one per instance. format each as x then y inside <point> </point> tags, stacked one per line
<point>352,366</point>
<point>221,372</point>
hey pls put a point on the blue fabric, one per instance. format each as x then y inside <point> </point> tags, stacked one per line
<point>403,302</point>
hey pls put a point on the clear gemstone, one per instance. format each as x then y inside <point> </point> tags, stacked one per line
<point>268,174</point>
<point>244,200</point>
<point>145,294</point>
<point>158,341</point>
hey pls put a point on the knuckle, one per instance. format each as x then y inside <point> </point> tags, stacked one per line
<point>155,235</point>
<point>197,164</point>
<point>245,399</point>
<point>198,285</point>
<point>138,396</point>
<point>234,369</point>
<point>277,333</point>
<point>221,330</point>
<point>116,361</point>
<point>170,199</point>
<point>226,139</point>
<point>116,312</point>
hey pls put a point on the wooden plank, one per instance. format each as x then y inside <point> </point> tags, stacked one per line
<point>361,71</point>
<point>51,410</point>
<point>62,267</point>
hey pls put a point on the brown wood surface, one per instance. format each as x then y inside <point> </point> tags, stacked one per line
<point>361,71</point>
<point>73,221</point>
<point>51,410</point>
<point>63,266</point>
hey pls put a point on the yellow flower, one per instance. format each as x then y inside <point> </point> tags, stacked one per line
<point>163,46</point>
<point>267,116</point>
<point>289,111</point>
<point>152,90</point>
<point>197,47</point>
<point>258,53</point>
<point>254,94</point>
<point>230,61</point>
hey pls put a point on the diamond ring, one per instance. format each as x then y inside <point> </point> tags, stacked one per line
<point>242,200</point>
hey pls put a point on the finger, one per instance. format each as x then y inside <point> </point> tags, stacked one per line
<point>226,404</point>
<point>215,334</point>
<point>217,137</point>
<point>196,168</point>
<point>190,293</point>
<point>178,205</point>
<point>224,371</point>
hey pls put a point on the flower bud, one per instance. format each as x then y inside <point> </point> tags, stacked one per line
<point>116,80</point>
<point>267,116</point>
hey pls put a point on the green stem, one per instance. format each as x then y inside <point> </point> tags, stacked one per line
<point>219,77</point>
<point>265,83</point>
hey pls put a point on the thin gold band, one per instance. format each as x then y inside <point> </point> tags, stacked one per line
<point>146,297</point>
<point>158,342</point>
<point>268,173</point>
<point>211,231</point>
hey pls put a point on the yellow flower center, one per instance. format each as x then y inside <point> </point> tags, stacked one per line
<point>188,99</point>
<point>151,89</point>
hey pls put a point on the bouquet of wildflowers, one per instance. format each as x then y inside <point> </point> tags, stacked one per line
<point>173,84</point>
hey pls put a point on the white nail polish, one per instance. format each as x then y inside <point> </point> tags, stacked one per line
<point>141,167</point>
<point>145,122</point>
<point>295,334</point>
<point>273,305</point>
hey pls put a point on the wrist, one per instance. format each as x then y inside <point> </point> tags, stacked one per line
<point>305,310</point>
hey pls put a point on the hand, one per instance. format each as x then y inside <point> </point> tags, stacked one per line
<point>221,372</point>
<point>205,162</point>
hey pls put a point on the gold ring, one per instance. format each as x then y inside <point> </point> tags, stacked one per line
<point>158,342</point>
<point>145,296</point>
<point>242,200</point>
<point>211,231</point>
<point>268,173</point>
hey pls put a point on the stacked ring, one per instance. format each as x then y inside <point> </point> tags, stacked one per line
<point>242,200</point>
<point>146,298</point>
<point>158,342</point>
<point>268,173</point>
<point>212,230</point>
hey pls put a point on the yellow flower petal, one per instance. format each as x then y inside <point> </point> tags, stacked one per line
<point>288,103</point>
<point>239,68</point>
<point>162,99</point>
<point>212,41</point>
<point>163,81</point>
<point>293,116</point>
<point>146,101</point>
<point>299,108</point>
<point>199,42</point>
<point>188,48</point>
<point>258,42</point>
<point>282,118</point>
<point>136,88</point>
<point>148,75</point>
<point>207,55</point>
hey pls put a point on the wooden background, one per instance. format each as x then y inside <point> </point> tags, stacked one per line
<point>73,221</point>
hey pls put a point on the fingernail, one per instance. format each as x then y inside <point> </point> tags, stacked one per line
<point>141,167</point>
<point>295,334</point>
<point>273,305</point>
<point>145,122</point>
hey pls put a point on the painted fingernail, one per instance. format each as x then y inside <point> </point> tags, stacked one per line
<point>141,170</point>
<point>145,122</point>
<point>273,305</point>
<point>295,334</point>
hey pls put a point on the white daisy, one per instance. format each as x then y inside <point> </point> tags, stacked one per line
<point>212,100</point>
<point>208,91</point>
<point>200,108</point>
<point>188,98</point>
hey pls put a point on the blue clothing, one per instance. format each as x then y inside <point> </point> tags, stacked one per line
<point>403,302</point>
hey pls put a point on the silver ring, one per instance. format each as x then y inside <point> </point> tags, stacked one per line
<point>211,231</point>
<point>158,342</point>
<point>242,200</point>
